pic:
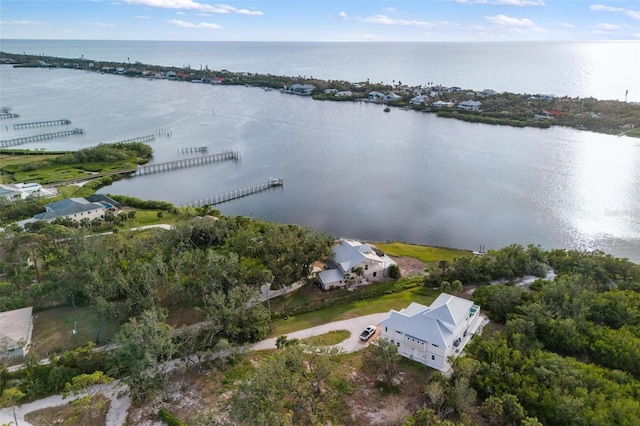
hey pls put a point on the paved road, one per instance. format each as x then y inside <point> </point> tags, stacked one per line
<point>354,325</point>
<point>120,404</point>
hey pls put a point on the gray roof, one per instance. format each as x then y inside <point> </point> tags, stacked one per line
<point>15,327</point>
<point>436,324</point>
<point>67,207</point>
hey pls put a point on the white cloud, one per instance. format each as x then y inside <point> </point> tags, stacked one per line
<point>603,8</point>
<point>506,21</point>
<point>566,25</point>
<point>142,17</point>
<point>635,14</point>
<point>605,27</point>
<point>389,10</point>
<point>343,15</point>
<point>192,5</point>
<point>201,25</point>
<point>20,23</point>
<point>385,20</point>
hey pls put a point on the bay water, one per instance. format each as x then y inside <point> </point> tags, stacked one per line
<point>349,168</point>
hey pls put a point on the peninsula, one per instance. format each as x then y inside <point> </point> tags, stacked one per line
<point>479,106</point>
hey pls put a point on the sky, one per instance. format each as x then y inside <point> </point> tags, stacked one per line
<point>321,20</point>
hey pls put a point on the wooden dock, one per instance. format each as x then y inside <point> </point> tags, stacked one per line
<point>8,115</point>
<point>145,138</point>
<point>33,124</point>
<point>236,193</point>
<point>186,162</point>
<point>191,149</point>
<point>37,138</point>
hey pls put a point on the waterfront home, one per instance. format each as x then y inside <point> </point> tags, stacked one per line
<point>392,97</point>
<point>432,334</point>
<point>454,89</point>
<point>343,93</point>
<point>375,96</point>
<point>351,257</point>
<point>299,89</point>
<point>470,105</point>
<point>330,91</point>
<point>419,100</point>
<point>78,208</point>
<point>15,332</point>
<point>487,92</point>
<point>442,104</point>
<point>23,190</point>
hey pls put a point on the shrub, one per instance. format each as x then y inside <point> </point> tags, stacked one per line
<point>169,418</point>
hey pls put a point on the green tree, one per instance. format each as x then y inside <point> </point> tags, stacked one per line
<point>87,386</point>
<point>383,357</point>
<point>10,398</point>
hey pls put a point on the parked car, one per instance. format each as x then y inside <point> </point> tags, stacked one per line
<point>368,332</point>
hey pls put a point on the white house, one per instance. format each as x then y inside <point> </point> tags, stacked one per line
<point>15,332</point>
<point>343,93</point>
<point>24,190</point>
<point>432,334</point>
<point>330,91</point>
<point>78,208</point>
<point>419,100</point>
<point>375,96</point>
<point>392,97</point>
<point>300,89</point>
<point>470,105</point>
<point>348,255</point>
<point>441,104</point>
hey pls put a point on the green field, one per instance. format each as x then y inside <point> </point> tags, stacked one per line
<point>426,254</point>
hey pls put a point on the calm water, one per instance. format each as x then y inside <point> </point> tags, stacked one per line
<point>351,169</point>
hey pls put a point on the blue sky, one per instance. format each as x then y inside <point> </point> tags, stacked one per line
<point>321,20</point>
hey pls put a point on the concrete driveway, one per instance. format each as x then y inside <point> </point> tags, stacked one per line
<point>354,325</point>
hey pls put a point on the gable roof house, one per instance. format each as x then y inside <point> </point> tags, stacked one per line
<point>419,99</point>
<point>15,332</point>
<point>350,255</point>
<point>73,208</point>
<point>470,105</point>
<point>375,96</point>
<point>432,334</point>
<point>392,97</point>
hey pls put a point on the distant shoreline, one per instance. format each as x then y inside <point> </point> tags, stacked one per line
<point>486,107</point>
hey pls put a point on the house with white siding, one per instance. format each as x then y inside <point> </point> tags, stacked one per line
<point>470,105</point>
<point>16,327</point>
<point>348,256</point>
<point>78,208</point>
<point>432,334</point>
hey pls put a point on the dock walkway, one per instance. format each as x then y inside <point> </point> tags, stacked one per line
<point>36,138</point>
<point>186,162</point>
<point>236,193</point>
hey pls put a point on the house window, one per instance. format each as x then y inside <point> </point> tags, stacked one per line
<point>366,267</point>
<point>433,357</point>
<point>399,332</point>
<point>433,344</point>
<point>375,273</point>
<point>398,344</point>
<point>386,329</point>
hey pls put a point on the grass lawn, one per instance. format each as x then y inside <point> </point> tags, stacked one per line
<point>353,309</point>
<point>150,217</point>
<point>424,253</point>
<point>327,339</point>
<point>52,329</point>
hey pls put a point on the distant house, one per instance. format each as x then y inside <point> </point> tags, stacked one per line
<point>78,208</point>
<point>343,93</point>
<point>470,105</point>
<point>375,96</point>
<point>454,89</point>
<point>300,89</point>
<point>392,97</point>
<point>348,255</point>
<point>23,190</point>
<point>171,75</point>
<point>442,104</point>
<point>432,334</point>
<point>330,91</point>
<point>419,100</point>
<point>15,332</point>
<point>487,92</point>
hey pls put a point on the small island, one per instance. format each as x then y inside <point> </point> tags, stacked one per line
<point>477,106</point>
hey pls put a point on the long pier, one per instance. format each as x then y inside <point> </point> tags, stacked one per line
<point>236,193</point>
<point>60,122</point>
<point>36,138</point>
<point>8,115</point>
<point>186,162</point>
<point>145,138</point>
